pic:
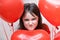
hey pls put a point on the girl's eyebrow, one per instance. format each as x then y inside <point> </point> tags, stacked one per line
<point>33,18</point>
<point>26,19</point>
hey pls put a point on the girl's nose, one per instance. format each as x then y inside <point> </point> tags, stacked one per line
<point>30,22</point>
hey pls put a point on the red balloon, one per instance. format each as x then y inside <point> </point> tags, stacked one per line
<point>30,35</point>
<point>57,36</point>
<point>11,10</point>
<point>50,10</point>
<point>46,28</point>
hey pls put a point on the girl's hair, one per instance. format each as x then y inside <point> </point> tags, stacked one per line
<point>32,8</point>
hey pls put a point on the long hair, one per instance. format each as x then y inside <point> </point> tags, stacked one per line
<point>32,8</point>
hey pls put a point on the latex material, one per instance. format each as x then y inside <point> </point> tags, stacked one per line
<point>50,10</point>
<point>30,35</point>
<point>11,10</point>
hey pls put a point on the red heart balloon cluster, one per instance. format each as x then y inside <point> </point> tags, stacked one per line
<point>30,35</point>
<point>11,10</point>
<point>50,10</point>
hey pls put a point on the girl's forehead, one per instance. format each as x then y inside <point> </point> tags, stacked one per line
<point>30,14</point>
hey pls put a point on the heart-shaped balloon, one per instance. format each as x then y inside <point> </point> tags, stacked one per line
<point>50,9</point>
<point>11,10</point>
<point>30,35</point>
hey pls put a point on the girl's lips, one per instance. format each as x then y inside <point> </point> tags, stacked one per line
<point>30,25</point>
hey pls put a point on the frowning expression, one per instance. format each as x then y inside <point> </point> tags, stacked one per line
<point>30,21</point>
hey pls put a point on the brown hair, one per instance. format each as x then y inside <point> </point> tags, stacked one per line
<point>32,8</point>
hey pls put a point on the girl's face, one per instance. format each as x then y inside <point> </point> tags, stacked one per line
<point>30,21</point>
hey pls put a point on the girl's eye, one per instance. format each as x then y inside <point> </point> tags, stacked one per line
<point>34,19</point>
<point>26,19</point>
